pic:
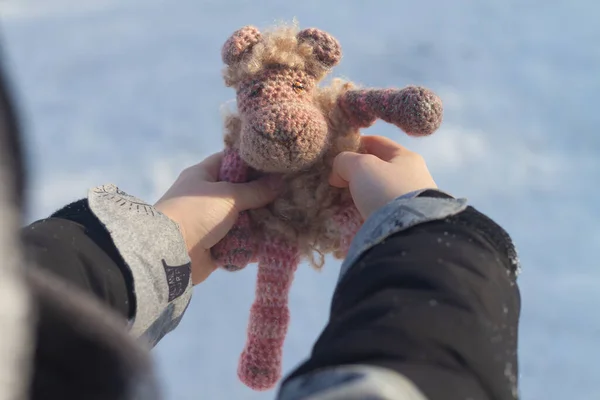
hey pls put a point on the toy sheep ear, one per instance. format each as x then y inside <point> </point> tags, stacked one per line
<point>239,44</point>
<point>325,47</point>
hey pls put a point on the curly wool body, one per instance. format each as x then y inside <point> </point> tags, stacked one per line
<point>304,211</point>
<point>287,125</point>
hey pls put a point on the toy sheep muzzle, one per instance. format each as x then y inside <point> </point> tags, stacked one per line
<point>283,138</point>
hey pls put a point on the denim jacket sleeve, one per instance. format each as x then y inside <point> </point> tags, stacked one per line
<point>398,215</point>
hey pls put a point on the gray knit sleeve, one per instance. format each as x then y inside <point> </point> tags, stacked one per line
<point>153,248</point>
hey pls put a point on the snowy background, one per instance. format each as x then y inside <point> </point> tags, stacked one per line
<point>129,92</point>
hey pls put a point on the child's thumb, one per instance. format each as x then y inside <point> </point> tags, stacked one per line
<point>256,194</point>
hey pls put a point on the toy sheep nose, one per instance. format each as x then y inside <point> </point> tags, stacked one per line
<point>289,122</point>
<point>283,137</point>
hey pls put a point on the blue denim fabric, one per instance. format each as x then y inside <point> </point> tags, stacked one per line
<point>400,214</point>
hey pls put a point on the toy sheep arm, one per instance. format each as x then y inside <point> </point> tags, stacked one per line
<point>416,110</point>
<point>237,249</point>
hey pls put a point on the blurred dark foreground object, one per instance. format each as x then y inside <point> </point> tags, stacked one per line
<point>80,349</point>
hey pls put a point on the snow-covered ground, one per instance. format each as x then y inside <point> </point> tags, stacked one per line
<point>129,92</point>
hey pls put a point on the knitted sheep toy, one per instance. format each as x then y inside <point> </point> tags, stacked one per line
<point>287,125</point>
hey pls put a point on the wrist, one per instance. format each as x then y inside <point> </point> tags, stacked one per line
<point>200,259</point>
<point>165,209</point>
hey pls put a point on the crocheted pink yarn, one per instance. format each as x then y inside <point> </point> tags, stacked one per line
<point>287,125</point>
<point>260,363</point>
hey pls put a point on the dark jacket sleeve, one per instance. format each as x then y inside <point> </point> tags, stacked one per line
<point>123,252</point>
<point>436,303</point>
<point>73,244</point>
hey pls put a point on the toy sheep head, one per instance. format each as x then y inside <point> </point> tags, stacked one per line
<point>275,77</point>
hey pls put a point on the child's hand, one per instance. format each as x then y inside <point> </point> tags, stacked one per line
<point>386,172</point>
<point>206,209</point>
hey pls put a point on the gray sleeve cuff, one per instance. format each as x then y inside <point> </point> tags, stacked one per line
<point>351,382</point>
<point>153,248</point>
<point>400,214</point>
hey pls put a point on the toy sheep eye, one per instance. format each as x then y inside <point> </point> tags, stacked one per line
<point>256,90</point>
<point>298,87</point>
